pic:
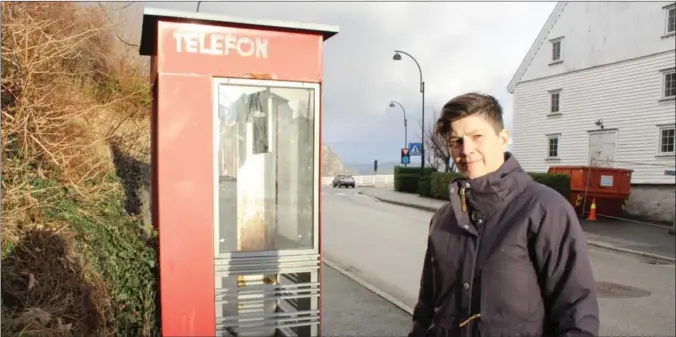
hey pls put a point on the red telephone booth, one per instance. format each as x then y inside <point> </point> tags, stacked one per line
<point>236,172</point>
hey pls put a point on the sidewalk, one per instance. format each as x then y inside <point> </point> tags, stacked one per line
<point>623,236</point>
<point>350,309</point>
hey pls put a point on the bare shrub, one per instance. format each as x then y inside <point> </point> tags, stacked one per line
<point>66,98</point>
<point>45,117</point>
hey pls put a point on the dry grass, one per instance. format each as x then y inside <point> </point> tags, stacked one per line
<point>67,99</point>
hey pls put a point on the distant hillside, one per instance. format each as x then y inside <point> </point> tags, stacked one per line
<point>331,163</point>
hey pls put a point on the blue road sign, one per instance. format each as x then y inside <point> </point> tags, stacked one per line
<point>406,160</point>
<point>414,149</point>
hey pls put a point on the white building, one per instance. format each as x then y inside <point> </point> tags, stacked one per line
<point>598,85</point>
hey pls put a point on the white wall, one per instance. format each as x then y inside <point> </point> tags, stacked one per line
<point>625,95</point>
<point>381,180</point>
<point>597,33</point>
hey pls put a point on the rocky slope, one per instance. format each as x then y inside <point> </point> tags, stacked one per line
<point>332,164</point>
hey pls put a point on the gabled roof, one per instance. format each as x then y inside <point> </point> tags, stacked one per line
<point>544,32</point>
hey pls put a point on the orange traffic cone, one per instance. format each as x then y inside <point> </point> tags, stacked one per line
<point>592,211</point>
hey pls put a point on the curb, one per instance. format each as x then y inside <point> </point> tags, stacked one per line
<point>352,276</point>
<point>608,246</point>
<point>593,243</point>
<point>398,203</point>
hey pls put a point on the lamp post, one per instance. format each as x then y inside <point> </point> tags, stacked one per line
<point>397,57</point>
<point>392,104</point>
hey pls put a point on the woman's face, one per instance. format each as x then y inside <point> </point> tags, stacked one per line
<point>477,149</point>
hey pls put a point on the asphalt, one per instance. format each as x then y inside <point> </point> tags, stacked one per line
<point>622,235</point>
<point>383,244</point>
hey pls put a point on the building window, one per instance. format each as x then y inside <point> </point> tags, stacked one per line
<point>555,102</point>
<point>670,19</point>
<point>556,50</point>
<point>669,84</point>
<point>552,147</point>
<point>667,140</point>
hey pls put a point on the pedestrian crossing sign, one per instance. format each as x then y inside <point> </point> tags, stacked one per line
<point>414,149</point>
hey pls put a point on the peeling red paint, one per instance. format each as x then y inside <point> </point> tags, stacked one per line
<point>260,76</point>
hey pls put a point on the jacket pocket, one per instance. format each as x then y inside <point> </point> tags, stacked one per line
<point>509,293</point>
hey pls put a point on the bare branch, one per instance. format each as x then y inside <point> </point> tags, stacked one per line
<point>438,150</point>
<point>123,7</point>
<point>103,9</point>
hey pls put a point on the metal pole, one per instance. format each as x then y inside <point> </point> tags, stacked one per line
<point>405,133</point>
<point>422,145</point>
<point>405,123</point>
<point>435,150</point>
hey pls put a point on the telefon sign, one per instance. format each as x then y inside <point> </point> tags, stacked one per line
<point>220,44</point>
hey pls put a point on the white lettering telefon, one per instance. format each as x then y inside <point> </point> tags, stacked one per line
<point>220,44</point>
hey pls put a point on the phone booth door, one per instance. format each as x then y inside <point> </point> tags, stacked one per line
<point>266,221</point>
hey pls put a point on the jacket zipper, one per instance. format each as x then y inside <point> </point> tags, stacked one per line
<point>471,286</point>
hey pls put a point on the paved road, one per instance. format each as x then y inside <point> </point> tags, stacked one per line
<point>384,244</point>
<point>619,234</point>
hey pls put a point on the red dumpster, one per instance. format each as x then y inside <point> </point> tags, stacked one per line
<point>610,186</point>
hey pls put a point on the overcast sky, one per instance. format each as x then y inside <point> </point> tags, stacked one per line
<point>461,47</point>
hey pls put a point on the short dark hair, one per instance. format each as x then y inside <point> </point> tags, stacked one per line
<point>467,105</point>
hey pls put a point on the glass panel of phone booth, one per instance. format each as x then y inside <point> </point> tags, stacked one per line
<point>266,221</point>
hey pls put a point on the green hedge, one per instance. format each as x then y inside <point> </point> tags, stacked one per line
<point>413,169</point>
<point>425,186</point>
<point>557,182</point>
<point>435,184</point>
<point>406,182</point>
<point>439,182</point>
<point>407,179</point>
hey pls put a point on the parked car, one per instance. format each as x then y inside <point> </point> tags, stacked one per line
<point>343,180</point>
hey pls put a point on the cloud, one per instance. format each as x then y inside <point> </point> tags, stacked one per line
<point>461,47</point>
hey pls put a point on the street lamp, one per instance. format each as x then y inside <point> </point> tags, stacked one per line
<point>392,105</point>
<point>397,57</point>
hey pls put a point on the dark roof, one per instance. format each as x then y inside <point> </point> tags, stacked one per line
<point>152,15</point>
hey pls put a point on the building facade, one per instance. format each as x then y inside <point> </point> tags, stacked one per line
<point>598,87</point>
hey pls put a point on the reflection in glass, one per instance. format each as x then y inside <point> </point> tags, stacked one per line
<point>266,168</point>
